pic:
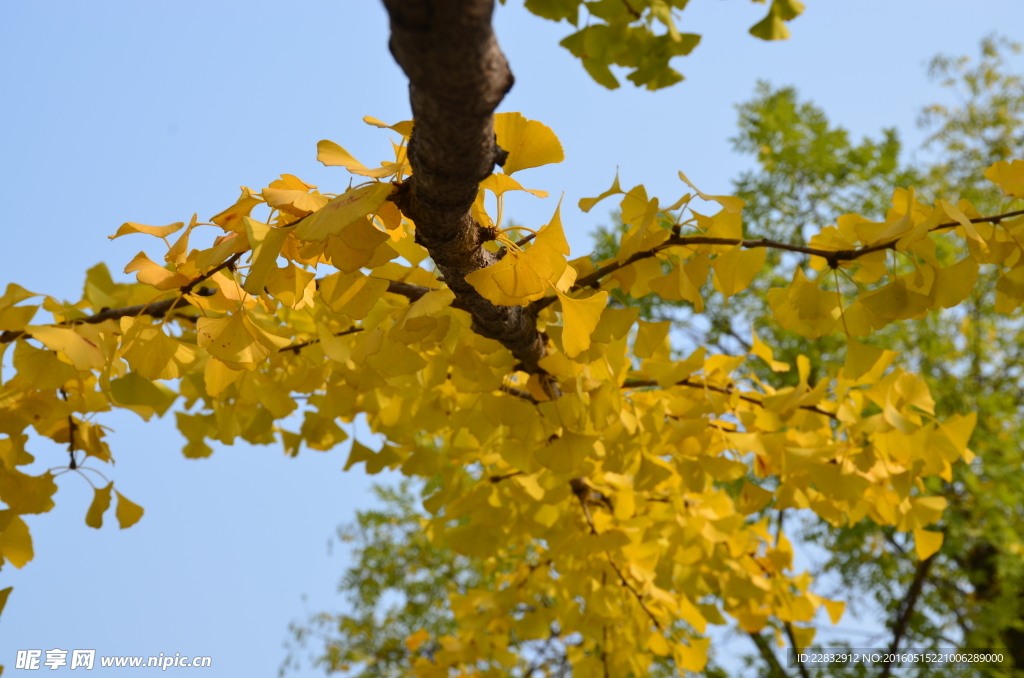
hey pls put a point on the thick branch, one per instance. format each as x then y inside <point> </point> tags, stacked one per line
<point>457,77</point>
<point>804,673</point>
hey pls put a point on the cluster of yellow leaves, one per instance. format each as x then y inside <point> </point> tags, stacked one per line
<point>631,509</point>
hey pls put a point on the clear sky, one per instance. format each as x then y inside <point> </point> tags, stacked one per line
<point>129,111</point>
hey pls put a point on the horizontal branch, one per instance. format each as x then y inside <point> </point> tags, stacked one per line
<point>646,383</point>
<point>833,257</point>
<point>157,310</point>
<point>161,308</point>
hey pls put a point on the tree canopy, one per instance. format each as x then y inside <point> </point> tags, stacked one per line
<point>612,490</point>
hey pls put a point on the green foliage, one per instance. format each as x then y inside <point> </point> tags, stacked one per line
<point>641,35</point>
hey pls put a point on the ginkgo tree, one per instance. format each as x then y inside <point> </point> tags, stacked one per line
<point>611,488</point>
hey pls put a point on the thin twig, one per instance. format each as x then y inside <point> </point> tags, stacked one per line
<point>298,347</point>
<point>519,393</point>
<point>227,263</point>
<point>498,479</point>
<point>719,389</point>
<point>804,673</point>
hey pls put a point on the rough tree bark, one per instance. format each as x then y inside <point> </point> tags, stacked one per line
<point>457,77</point>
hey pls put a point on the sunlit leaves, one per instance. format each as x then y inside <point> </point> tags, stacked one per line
<point>356,203</point>
<point>151,273</point>
<point>529,143</point>
<point>927,543</point>
<point>15,540</point>
<point>614,474</point>
<point>236,341</point>
<point>580,317</point>
<point>353,294</point>
<point>1008,176</point>
<point>153,354</point>
<point>522,276</point>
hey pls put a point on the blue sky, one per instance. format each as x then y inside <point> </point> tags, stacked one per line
<point>148,112</point>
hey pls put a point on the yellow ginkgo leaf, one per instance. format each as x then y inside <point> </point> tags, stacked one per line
<point>753,498</point>
<point>293,201</point>
<point>363,235</point>
<point>150,273</point>
<point>128,512</point>
<point>693,657</point>
<point>178,252</point>
<point>151,353</point>
<point>15,294</point>
<point>1009,176</point>
<point>565,453</point>
<point>732,204</point>
<point>860,358</point>
<point>735,269</point>
<point>927,543</point>
<point>404,128</point>
<point>266,244</point>
<point>957,215</point>
<point>485,282</point>
<point>835,609</point>
<point>236,341</point>
<point>765,353</point>
<point>529,143</point>
<point>499,184</point>
<point>657,644</point>
<point>353,204</point>
<point>158,231</point>
<point>586,204</point>
<point>83,353</point>
<point>231,218</point>
<point>217,376</point>
<point>579,319</point>
<point>100,504</point>
<point>524,276</point>
<point>415,640</point>
<point>292,286</point>
<point>353,294</point>
<point>333,155</point>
